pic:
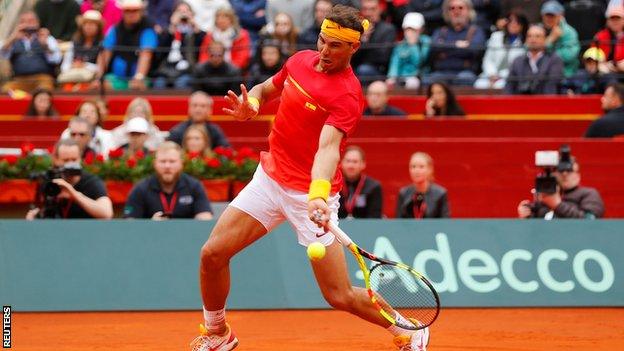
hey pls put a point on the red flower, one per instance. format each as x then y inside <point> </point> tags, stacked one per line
<point>224,151</point>
<point>193,155</point>
<point>89,158</point>
<point>244,152</point>
<point>139,155</point>
<point>99,158</point>
<point>116,153</point>
<point>213,163</point>
<point>27,148</point>
<point>11,159</point>
<point>131,162</point>
<point>50,149</point>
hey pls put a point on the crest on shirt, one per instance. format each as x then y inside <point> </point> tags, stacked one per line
<point>186,200</point>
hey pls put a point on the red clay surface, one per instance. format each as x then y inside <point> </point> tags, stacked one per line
<point>549,329</point>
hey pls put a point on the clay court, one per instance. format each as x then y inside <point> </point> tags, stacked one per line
<point>457,329</point>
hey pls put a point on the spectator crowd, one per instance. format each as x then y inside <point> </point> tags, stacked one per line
<point>516,46</point>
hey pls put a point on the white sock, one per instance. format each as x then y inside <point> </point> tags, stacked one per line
<point>214,320</point>
<point>396,330</point>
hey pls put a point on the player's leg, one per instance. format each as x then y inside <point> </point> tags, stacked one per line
<point>332,276</point>
<point>234,231</point>
<point>251,215</point>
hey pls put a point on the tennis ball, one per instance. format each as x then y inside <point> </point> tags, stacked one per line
<point>316,251</point>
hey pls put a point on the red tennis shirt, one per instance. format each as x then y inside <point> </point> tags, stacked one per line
<point>309,100</point>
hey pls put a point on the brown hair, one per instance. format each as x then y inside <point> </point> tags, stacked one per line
<point>204,133</point>
<point>346,16</point>
<point>97,110</point>
<point>357,149</point>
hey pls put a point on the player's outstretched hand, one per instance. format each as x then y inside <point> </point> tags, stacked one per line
<point>239,107</point>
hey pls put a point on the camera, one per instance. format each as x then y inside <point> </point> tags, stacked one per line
<point>48,190</point>
<point>551,161</point>
<point>30,30</point>
<point>184,19</point>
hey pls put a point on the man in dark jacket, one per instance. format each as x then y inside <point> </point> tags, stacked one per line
<point>537,72</point>
<point>374,55</point>
<point>612,122</point>
<point>199,110</point>
<point>572,201</point>
<point>361,195</point>
<point>216,76</point>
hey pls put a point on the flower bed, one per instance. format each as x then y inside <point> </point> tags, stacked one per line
<point>223,173</point>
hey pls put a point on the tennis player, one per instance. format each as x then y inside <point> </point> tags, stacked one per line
<point>321,103</point>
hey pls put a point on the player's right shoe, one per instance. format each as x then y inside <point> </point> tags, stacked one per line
<point>416,341</point>
<point>212,342</point>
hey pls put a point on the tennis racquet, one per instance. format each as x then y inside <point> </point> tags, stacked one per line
<point>395,287</point>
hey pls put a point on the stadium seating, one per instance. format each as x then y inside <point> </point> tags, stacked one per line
<point>485,160</point>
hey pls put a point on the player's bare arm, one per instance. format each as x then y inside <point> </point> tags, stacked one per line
<point>247,105</point>
<point>324,167</point>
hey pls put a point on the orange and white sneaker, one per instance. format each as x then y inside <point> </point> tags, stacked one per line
<point>212,342</point>
<point>416,341</point>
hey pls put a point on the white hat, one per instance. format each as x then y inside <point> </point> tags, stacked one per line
<point>413,20</point>
<point>92,15</point>
<point>137,125</point>
<point>131,4</point>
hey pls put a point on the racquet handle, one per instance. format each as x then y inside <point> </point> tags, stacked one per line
<point>340,234</point>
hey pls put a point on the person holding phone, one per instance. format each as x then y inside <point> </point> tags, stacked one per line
<point>33,54</point>
<point>169,193</point>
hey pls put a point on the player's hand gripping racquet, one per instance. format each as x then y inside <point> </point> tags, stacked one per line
<point>394,286</point>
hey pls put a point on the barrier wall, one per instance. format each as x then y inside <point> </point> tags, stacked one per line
<point>475,106</point>
<point>144,265</point>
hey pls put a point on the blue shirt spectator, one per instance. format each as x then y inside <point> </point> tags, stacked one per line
<point>128,67</point>
<point>251,15</point>
<point>121,65</point>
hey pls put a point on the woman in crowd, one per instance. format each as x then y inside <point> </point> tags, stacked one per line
<point>80,60</point>
<point>235,39</point>
<point>102,139</point>
<point>502,49</point>
<point>284,31</point>
<point>41,106</point>
<point>196,141</point>
<point>271,61</point>
<point>441,102</point>
<point>423,198</point>
<point>139,107</point>
<point>110,10</point>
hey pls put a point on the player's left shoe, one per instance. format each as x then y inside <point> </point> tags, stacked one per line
<point>416,341</point>
<point>212,342</point>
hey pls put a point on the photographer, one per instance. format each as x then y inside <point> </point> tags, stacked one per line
<point>570,200</point>
<point>33,54</point>
<point>69,192</point>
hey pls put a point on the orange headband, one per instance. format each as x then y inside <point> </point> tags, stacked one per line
<point>334,30</point>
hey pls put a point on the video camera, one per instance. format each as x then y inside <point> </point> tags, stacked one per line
<point>551,161</point>
<point>48,190</point>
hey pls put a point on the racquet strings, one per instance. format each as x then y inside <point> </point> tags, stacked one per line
<point>406,292</point>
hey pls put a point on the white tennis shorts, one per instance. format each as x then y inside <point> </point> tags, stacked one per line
<point>271,204</point>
